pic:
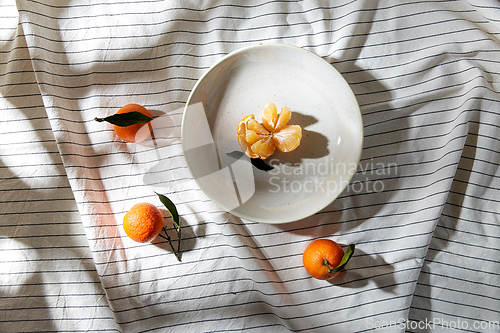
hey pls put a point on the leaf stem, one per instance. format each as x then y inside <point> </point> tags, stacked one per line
<point>327,264</point>
<point>179,237</point>
<point>176,222</point>
<point>169,240</point>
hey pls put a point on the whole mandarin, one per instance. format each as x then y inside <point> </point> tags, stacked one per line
<point>315,255</point>
<point>143,222</point>
<point>136,132</point>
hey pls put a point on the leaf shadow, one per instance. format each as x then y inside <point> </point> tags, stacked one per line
<point>380,272</point>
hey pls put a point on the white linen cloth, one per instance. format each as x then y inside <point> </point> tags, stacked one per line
<point>422,208</point>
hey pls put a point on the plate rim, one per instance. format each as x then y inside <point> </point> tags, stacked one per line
<point>272,45</point>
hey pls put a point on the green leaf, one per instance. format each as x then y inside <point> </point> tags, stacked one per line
<point>347,255</point>
<point>256,162</point>
<point>175,217</point>
<point>126,119</point>
<point>170,207</point>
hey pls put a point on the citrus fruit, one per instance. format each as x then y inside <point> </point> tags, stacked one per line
<point>136,132</point>
<point>321,257</point>
<point>143,222</point>
<point>260,140</point>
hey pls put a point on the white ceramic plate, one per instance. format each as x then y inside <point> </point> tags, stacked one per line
<point>303,181</point>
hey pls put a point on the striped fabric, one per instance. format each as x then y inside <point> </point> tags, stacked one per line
<point>422,209</point>
<point>48,279</point>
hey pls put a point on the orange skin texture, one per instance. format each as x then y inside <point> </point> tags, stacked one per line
<point>143,222</point>
<point>137,132</point>
<point>315,255</point>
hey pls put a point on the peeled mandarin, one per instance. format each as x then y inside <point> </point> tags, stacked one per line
<point>260,140</point>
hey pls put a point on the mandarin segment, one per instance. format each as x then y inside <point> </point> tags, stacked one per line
<point>264,147</point>
<point>253,125</point>
<point>255,132</point>
<point>270,117</point>
<point>288,138</point>
<point>242,137</point>
<point>260,140</point>
<point>251,137</point>
<point>283,118</point>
